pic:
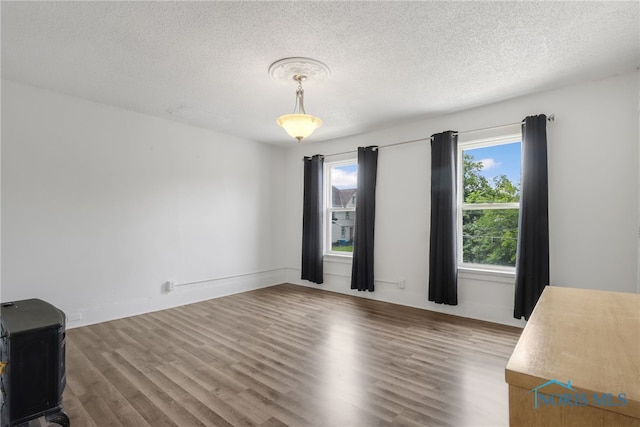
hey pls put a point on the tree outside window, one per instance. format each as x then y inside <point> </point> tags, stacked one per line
<point>490,203</point>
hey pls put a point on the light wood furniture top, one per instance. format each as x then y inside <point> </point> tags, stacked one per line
<point>591,338</point>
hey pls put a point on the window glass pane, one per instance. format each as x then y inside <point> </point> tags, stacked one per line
<point>490,236</point>
<point>343,186</point>
<point>342,228</point>
<point>343,180</point>
<point>492,174</point>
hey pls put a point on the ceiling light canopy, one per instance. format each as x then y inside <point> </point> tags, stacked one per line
<point>299,124</point>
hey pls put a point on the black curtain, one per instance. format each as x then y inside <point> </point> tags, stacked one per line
<point>312,264</point>
<point>443,277</point>
<point>532,260</point>
<point>362,267</point>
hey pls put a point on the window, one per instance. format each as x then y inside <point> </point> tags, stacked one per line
<point>340,202</point>
<point>489,202</point>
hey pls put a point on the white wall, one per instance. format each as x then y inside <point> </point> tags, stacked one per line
<point>101,206</point>
<point>593,197</point>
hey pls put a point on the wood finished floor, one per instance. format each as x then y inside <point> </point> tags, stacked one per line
<point>288,356</point>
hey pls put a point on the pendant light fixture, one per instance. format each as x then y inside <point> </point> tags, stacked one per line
<point>299,124</point>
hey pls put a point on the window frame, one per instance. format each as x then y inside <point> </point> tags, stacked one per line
<point>512,137</point>
<point>329,209</point>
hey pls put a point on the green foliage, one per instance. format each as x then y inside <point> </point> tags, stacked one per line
<point>477,188</point>
<point>339,248</point>
<point>489,236</point>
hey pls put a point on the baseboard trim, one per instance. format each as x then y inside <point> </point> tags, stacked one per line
<point>186,293</point>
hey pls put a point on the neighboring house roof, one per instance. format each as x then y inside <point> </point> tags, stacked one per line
<point>342,198</point>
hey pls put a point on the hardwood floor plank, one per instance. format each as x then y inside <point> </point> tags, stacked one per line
<point>273,422</point>
<point>110,401</point>
<point>289,356</point>
<point>270,403</point>
<point>73,405</point>
<point>213,409</point>
<point>173,410</point>
<point>198,413</point>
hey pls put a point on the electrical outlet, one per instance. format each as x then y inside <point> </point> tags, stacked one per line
<point>171,286</point>
<point>401,283</point>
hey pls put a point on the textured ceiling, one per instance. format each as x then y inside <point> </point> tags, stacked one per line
<point>206,63</point>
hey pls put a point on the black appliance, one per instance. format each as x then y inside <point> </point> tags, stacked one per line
<point>32,360</point>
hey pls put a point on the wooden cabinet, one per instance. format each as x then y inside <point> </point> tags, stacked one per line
<point>577,362</point>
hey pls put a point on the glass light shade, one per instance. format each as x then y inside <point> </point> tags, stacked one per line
<point>299,126</point>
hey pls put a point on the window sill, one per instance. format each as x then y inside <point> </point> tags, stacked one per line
<point>487,274</point>
<point>340,259</point>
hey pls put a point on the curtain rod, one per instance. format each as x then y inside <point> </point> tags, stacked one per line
<point>550,118</point>
<point>379,146</point>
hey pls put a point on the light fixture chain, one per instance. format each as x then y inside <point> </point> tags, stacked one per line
<point>300,96</point>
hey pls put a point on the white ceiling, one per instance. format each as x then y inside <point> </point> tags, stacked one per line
<point>206,63</point>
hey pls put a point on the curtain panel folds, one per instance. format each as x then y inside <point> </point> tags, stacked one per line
<point>443,275</point>
<point>532,259</point>
<point>312,259</point>
<point>362,266</point>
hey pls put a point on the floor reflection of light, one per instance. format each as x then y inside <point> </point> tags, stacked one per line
<point>481,392</point>
<point>342,390</point>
